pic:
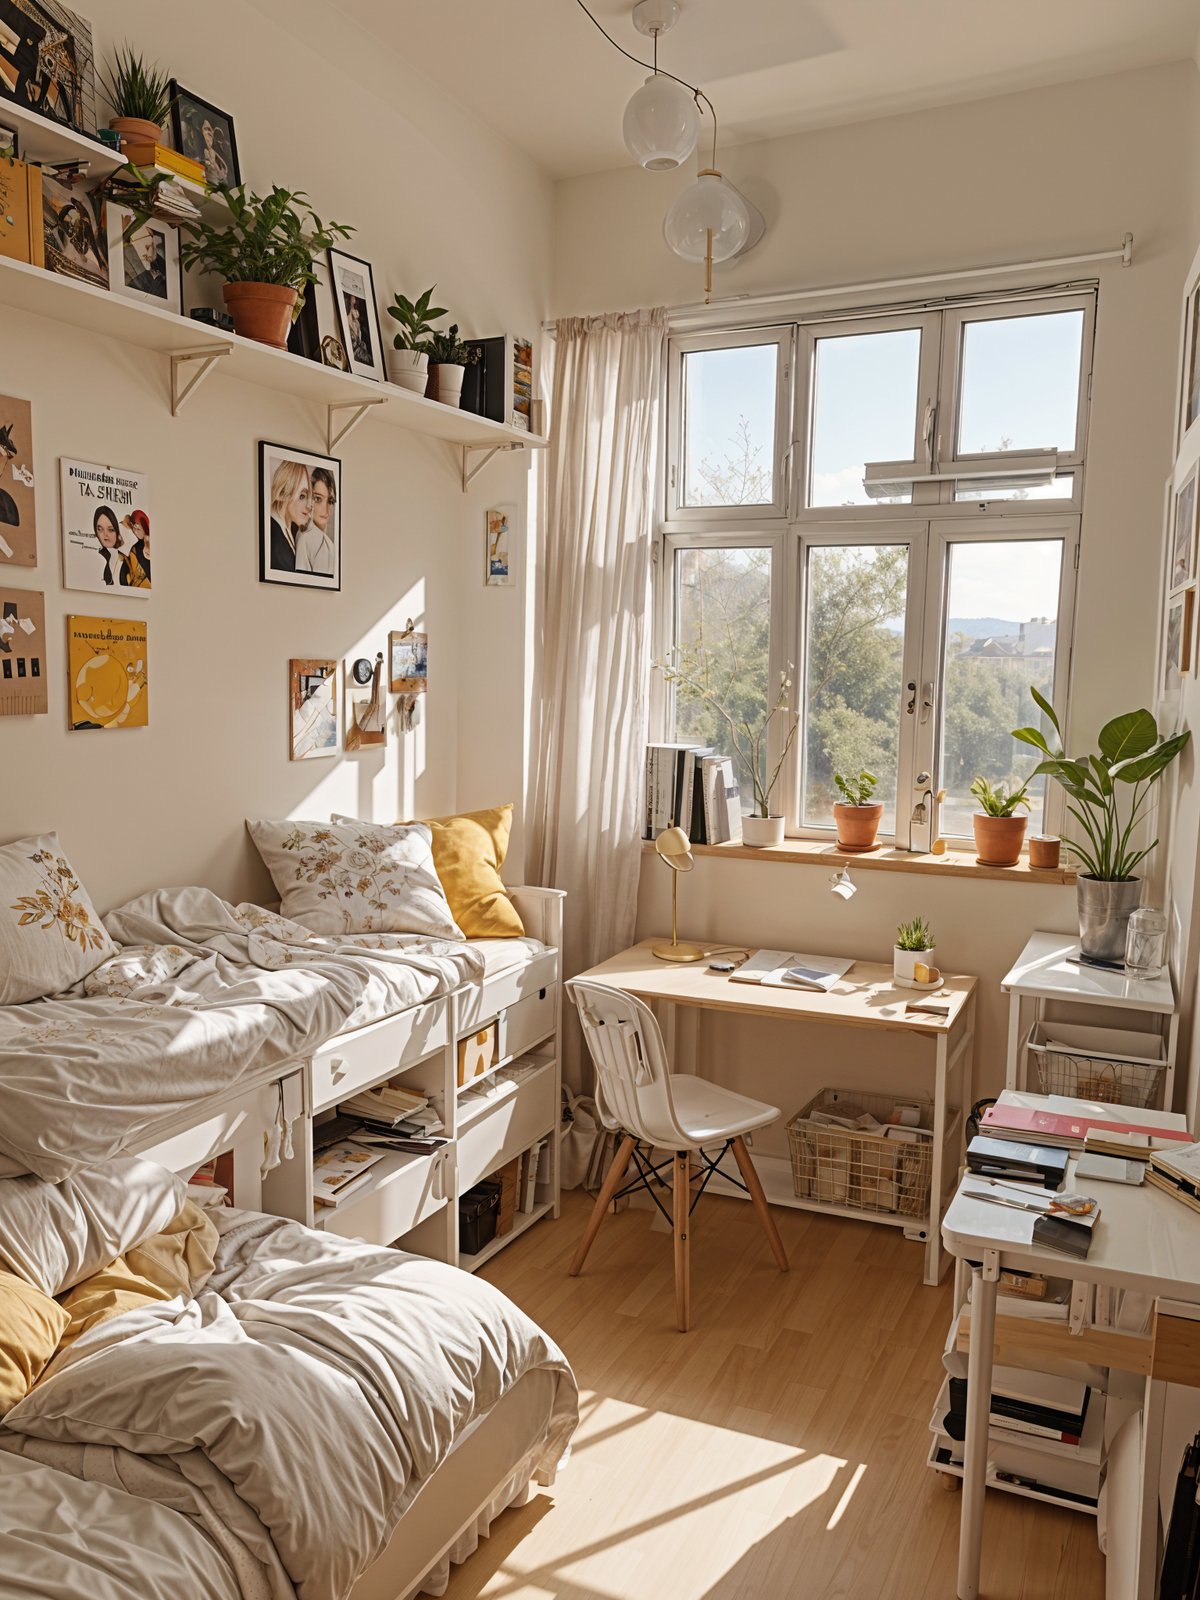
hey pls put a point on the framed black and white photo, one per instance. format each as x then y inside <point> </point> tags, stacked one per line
<point>358,314</point>
<point>146,265</point>
<point>1182,566</point>
<point>205,134</point>
<point>300,529</point>
<point>47,63</point>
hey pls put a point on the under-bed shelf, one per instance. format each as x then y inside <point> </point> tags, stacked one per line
<point>398,1192</point>
<point>524,1221</point>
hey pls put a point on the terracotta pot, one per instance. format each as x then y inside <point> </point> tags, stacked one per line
<point>136,130</point>
<point>1043,852</point>
<point>998,840</point>
<point>857,825</point>
<point>763,832</point>
<point>261,311</point>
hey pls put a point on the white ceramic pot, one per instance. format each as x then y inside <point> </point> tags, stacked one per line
<point>409,369</point>
<point>762,831</point>
<point>904,962</point>
<point>448,381</point>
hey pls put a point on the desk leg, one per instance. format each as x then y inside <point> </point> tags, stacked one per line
<point>933,1239</point>
<point>1013,1071</point>
<point>979,1395</point>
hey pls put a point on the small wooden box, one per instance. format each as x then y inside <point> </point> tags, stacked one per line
<point>477,1052</point>
<point>21,228</point>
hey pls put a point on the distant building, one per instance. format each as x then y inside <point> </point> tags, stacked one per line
<point>1036,638</point>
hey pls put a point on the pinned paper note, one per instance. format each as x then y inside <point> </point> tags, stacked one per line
<point>26,625</point>
<point>22,665</point>
<point>6,549</point>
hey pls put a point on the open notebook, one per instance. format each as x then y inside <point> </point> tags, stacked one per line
<point>782,970</point>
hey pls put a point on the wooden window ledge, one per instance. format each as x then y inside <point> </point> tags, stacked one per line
<point>814,852</point>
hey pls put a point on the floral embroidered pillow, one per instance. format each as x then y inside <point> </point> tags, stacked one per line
<point>355,877</point>
<point>50,933</point>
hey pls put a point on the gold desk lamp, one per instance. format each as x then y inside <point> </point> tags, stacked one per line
<point>675,848</point>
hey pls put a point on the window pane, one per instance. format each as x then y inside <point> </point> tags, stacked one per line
<point>1020,383</point>
<point>1061,488</point>
<point>729,426</point>
<point>864,409</point>
<point>723,638</point>
<point>854,670</point>
<point>1000,639</point>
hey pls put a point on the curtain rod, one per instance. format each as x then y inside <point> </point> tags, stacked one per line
<point>1124,254</point>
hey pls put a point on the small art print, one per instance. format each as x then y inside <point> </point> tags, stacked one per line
<point>313,708</point>
<point>18,517</point>
<point>408,662</point>
<point>497,570</point>
<point>1183,541</point>
<point>146,266</point>
<point>76,236</point>
<point>358,314</point>
<point>366,705</point>
<point>105,528</point>
<point>108,672</point>
<point>299,534</point>
<point>23,653</point>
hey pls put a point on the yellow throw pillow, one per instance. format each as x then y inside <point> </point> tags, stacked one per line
<point>468,852</point>
<point>180,1258</point>
<point>107,1294</point>
<point>31,1325</point>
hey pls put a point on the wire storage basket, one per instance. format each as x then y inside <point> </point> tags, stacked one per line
<point>862,1168</point>
<point>1112,1066</point>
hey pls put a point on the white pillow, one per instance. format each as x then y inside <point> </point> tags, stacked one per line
<point>356,877</point>
<point>50,934</point>
<point>56,1234</point>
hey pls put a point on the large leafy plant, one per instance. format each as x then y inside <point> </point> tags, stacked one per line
<point>1109,788</point>
<point>266,239</point>
<point>135,88</point>
<point>416,319</point>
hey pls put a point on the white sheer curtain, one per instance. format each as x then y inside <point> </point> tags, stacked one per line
<point>592,668</point>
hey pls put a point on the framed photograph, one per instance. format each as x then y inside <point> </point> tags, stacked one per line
<point>358,314</point>
<point>18,510</point>
<point>146,266</point>
<point>1172,645</point>
<point>47,62</point>
<point>1187,641</point>
<point>313,709</point>
<point>366,704</point>
<point>1182,565</point>
<point>408,662</point>
<point>300,533</point>
<point>1191,364</point>
<point>76,239</point>
<point>105,528</point>
<point>23,653</point>
<point>205,134</point>
<point>108,673</point>
<point>497,552</point>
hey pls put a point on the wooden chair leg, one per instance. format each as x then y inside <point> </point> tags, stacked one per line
<point>608,1188</point>
<point>753,1183</point>
<point>683,1264</point>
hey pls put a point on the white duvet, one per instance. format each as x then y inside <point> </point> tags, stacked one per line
<point>202,993</point>
<point>296,1406</point>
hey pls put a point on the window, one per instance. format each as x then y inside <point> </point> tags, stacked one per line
<point>912,550</point>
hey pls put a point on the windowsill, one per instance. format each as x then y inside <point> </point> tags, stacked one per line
<point>954,864</point>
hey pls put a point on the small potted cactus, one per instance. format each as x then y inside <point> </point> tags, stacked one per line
<point>912,954</point>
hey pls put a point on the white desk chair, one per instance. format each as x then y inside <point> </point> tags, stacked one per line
<point>638,1096</point>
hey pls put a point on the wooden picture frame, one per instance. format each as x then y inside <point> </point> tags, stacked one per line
<point>408,662</point>
<point>313,726</point>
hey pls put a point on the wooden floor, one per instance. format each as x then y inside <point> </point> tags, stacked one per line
<point>775,1451</point>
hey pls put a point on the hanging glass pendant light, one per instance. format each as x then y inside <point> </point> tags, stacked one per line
<point>708,222</point>
<point>661,124</point>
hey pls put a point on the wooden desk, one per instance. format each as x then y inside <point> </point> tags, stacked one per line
<point>866,997</point>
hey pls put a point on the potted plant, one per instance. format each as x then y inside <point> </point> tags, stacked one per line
<point>264,251</point>
<point>999,830</point>
<point>1132,757</point>
<point>408,361</point>
<point>857,815</point>
<point>912,954</point>
<point>140,97</point>
<point>448,357</point>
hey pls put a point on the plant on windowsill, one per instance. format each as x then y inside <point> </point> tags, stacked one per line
<point>449,358</point>
<point>999,830</point>
<point>912,954</point>
<point>408,361</point>
<point>691,672</point>
<point>857,814</point>
<point>1133,755</point>
<point>140,97</point>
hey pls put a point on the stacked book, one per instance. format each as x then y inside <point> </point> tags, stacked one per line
<point>392,1113</point>
<point>151,158</point>
<point>339,1171</point>
<point>1177,1172</point>
<point>1070,1124</point>
<point>690,786</point>
<point>1036,1405</point>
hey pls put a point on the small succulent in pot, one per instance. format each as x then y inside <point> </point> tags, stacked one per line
<point>139,93</point>
<point>999,831</point>
<point>449,358</point>
<point>857,814</point>
<point>912,954</point>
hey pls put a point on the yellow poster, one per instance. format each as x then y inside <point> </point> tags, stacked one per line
<point>107,673</point>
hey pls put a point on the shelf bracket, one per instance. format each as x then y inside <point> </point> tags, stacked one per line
<point>469,472</point>
<point>335,433</point>
<point>189,368</point>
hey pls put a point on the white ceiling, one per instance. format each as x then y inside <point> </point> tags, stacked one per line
<point>540,73</point>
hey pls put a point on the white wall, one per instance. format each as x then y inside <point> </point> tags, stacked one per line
<point>435,197</point>
<point>1046,173</point>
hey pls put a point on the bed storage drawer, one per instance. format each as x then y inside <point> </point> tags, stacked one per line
<point>481,1002</point>
<point>497,1134</point>
<point>353,1061</point>
<point>527,1023</point>
<point>406,1191</point>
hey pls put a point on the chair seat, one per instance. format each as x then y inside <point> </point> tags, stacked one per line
<point>707,1113</point>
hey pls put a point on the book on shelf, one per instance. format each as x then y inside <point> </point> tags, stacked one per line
<point>722,800</point>
<point>146,154</point>
<point>1177,1172</point>
<point>670,787</point>
<point>339,1170</point>
<point>1054,1119</point>
<point>386,1104</point>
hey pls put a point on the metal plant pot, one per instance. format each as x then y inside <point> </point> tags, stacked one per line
<point>1105,908</point>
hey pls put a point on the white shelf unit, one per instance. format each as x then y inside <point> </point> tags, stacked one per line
<point>48,143</point>
<point>195,350</point>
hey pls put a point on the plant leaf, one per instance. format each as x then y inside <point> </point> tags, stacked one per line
<point>1127,736</point>
<point>1044,705</point>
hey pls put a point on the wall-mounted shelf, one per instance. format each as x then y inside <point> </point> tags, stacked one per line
<point>49,143</point>
<point>196,350</point>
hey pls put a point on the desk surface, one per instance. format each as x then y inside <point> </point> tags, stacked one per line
<point>1143,1239</point>
<point>866,997</point>
<point>1049,967</point>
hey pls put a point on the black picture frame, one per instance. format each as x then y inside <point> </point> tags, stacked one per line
<point>188,113</point>
<point>273,557</point>
<point>51,69</point>
<point>342,265</point>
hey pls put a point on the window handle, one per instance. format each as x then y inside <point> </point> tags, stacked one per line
<point>926,701</point>
<point>912,697</point>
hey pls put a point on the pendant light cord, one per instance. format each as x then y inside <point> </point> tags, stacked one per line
<point>697,94</point>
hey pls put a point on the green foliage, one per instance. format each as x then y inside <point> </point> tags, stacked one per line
<point>416,319</point>
<point>996,800</point>
<point>1131,758</point>
<point>135,89</point>
<point>915,935</point>
<point>856,791</point>
<point>270,239</point>
<point>446,349</point>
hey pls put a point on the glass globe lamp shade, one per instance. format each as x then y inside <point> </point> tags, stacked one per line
<point>709,204</point>
<point>661,124</point>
